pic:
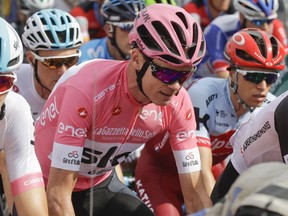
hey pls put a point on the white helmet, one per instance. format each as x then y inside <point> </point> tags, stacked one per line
<point>51,29</point>
<point>11,49</point>
<point>31,6</point>
<point>257,9</point>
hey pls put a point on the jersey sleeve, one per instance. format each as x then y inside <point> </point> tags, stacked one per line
<point>281,125</point>
<point>202,115</point>
<point>183,139</point>
<point>23,167</point>
<point>75,116</point>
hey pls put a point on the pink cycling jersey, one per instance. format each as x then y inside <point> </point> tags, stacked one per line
<point>91,122</point>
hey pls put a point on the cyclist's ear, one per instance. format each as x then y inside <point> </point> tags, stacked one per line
<point>136,58</point>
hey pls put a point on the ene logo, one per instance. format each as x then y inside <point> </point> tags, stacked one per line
<point>153,113</point>
<point>77,132</point>
<point>183,135</point>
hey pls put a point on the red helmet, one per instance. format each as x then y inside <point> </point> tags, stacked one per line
<point>255,48</point>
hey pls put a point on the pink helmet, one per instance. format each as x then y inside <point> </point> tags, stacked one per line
<point>170,34</point>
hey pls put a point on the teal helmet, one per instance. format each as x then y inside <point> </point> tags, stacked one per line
<point>51,29</point>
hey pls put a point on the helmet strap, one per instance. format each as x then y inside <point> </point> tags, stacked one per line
<point>37,76</point>
<point>234,87</point>
<point>140,74</point>
<point>114,43</point>
<point>2,111</point>
<point>243,24</point>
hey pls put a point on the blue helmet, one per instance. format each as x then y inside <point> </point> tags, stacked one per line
<point>257,9</point>
<point>11,49</point>
<point>51,29</point>
<point>121,10</point>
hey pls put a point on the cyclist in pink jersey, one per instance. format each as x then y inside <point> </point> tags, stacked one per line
<point>260,14</point>
<point>220,106</point>
<point>17,132</point>
<point>102,110</point>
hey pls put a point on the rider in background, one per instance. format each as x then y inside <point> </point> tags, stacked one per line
<point>51,50</point>
<point>205,11</point>
<point>88,15</point>
<point>26,8</point>
<point>102,110</point>
<point>17,133</point>
<point>220,106</point>
<point>260,14</point>
<point>118,16</point>
<point>263,137</point>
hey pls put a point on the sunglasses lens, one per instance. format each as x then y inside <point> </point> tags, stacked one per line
<point>6,82</point>
<point>169,76</point>
<point>259,77</point>
<point>55,63</point>
<point>125,26</point>
<point>261,22</point>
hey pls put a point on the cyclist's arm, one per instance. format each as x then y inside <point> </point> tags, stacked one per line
<point>194,192</point>
<point>5,181</point>
<point>206,166</point>
<point>35,198</point>
<point>59,191</point>
<point>24,171</point>
<point>215,44</point>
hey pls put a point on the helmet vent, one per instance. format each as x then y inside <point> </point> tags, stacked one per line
<point>166,37</point>
<point>261,45</point>
<point>180,33</point>
<point>13,62</point>
<point>245,56</point>
<point>171,59</point>
<point>182,18</point>
<point>147,38</point>
<point>275,47</point>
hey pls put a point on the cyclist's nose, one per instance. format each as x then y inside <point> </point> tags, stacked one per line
<point>61,70</point>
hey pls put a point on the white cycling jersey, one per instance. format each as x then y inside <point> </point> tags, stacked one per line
<point>17,139</point>
<point>215,115</point>
<point>25,86</point>
<point>263,137</point>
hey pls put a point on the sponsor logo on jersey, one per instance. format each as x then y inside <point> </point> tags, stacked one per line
<point>116,110</point>
<point>156,115</point>
<point>72,131</point>
<point>220,144</point>
<point>189,115</point>
<point>160,144</point>
<point>183,135</point>
<point>143,195</point>
<point>221,113</point>
<point>189,160</point>
<point>72,158</point>
<point>33,181</point>
<point>256,136</point>
<point>49,112</point>
<point>210,99</point>
<point>107,131</point>
<point>104,92</point>
<point>201,120</point>
<point>82,112</point>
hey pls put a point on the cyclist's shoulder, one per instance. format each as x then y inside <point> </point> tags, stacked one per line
<point>94,44</point>
<point>16,107</point>
<point>224,23</point>
<point>206,86</point>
